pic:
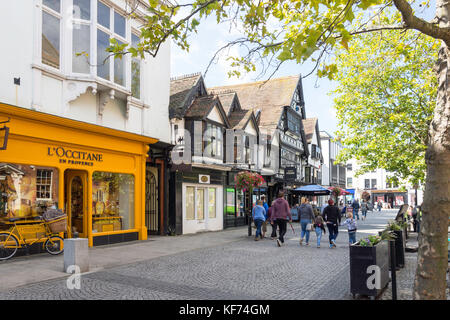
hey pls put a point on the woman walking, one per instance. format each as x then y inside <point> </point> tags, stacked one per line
<point>306,216</point>
<point>332,217</point>
<point>364,208</point>
<point>259,216</point>
<point>281,213</point>
<point>319,226</point>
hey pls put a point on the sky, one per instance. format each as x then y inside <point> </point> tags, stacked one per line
<point>212,36</point>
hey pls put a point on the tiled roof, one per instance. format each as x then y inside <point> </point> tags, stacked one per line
<point>309,126</point>
<point>180,89</point>
<point>270,97</point>
<point>201,106</point>
<point>226,98</point>
<point>239,118</point>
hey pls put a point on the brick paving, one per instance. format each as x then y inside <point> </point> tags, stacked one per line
<point>236,269</point>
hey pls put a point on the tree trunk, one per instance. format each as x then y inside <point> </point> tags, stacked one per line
<point>430,280</point>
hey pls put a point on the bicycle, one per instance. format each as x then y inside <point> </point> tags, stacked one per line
<point>12,240</point>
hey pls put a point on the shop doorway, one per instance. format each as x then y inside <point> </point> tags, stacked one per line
<point>152,202</point>
<point>75,189</point>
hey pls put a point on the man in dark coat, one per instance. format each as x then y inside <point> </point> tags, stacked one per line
<point>332,217</point>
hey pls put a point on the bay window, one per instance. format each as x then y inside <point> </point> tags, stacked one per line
<point>92,26</point>
<point>51,33</point>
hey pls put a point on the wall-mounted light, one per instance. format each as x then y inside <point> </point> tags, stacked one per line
<point>4,132</point>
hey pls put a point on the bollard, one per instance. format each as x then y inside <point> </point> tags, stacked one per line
<point>76,253</point>
<point>393,269</point>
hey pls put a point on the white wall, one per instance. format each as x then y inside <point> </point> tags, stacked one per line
<point>80,97</point>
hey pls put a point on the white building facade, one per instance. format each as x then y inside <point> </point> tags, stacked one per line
<point>377,184</point>
<point>56,63</point>
<point>333,175</point>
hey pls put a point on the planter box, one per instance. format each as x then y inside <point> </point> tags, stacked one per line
<point>361,258</point>
<point>400,245</point>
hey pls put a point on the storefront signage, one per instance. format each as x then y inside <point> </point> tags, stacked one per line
<point>70,156</point>
<point>203,178</point>
<point>290,173</point>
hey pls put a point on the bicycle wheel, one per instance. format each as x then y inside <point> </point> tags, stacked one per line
<point>54,245</point>
<point>8,245</point>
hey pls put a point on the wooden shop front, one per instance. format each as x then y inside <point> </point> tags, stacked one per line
<point>94,174</point>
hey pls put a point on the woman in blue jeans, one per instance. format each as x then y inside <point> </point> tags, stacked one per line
<point>306,216</point>
<point>259,216</point>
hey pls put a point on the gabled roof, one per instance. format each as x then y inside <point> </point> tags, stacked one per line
<point>239,119</point>
<point>309,126</point>
<point>268,96</point>
<point>228,100</point>
<point>202,106</point>
<point>182,91</point>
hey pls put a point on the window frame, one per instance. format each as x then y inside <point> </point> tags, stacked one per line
<point>89,23</point>
<point>59,16</point>
<point>41,184</point>
<point>112,35</point>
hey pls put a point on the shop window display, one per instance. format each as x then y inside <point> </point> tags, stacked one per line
<point>26,190</point>
<point>112,202</point>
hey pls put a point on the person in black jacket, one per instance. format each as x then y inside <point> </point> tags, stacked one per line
<point>332,217</point>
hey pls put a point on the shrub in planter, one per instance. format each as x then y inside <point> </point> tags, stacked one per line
<point>400,242</point>
<point>369,265</point>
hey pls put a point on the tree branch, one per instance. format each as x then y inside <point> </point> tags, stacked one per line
<point>413,22</point>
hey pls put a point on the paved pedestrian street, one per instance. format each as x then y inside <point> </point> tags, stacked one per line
<point>239,269</point>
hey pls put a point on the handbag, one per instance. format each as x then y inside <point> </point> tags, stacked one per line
<point>309,227</point>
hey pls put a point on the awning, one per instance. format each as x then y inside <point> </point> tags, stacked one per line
<point>312,189</point>
<point>351,191</point>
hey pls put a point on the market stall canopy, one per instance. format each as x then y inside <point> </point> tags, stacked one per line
<point>343,191</point>
<point>312,189</point>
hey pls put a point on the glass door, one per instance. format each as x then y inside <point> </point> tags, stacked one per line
<point>76,203</point>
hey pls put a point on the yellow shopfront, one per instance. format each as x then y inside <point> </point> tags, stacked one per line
<point>94,174</point>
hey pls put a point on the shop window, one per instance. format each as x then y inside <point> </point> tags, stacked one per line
<point>212,202</point>
<point>190,203</point>
<point>200,204</point>
<point>44,184</point>
<point>112,202</point>
<point>26,191</point>
<point>51,38</point>
<point>231,203</point>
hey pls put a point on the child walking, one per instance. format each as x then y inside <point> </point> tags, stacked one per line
<point>351,225</point>
<point>319,226</point>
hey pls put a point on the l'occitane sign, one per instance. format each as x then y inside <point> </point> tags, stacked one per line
<point>74,156</point>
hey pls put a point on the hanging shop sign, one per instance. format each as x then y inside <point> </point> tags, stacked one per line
<point>290,173</point>
<point>70,156</point>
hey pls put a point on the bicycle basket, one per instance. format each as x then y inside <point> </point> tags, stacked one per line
<point>58,225</point>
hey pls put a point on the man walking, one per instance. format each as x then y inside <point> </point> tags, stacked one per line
<point>281,213</point>
<point>332,217</point>
<point>355,206</point>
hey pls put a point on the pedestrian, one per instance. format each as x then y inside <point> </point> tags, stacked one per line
<point>379,205</point>
<point>332,218</point>
<point>319,226</point>
<point>355,206</point>
<point>351,226</point>
<point>259,216</point>
<point>364,208</point>
<point>306,216</point>
<point>266,207</point>
<point>281,214</point>
<point>273,235</point>
<point>408,217</point>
